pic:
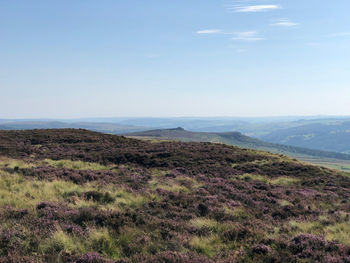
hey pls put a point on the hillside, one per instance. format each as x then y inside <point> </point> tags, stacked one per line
<point>332,136</point>
<point>81,196</point>
<point>104,127</point>
<point>238,139</point>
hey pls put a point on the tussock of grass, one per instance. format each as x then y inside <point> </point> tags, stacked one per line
<point>286,181</point>
<point>168,185</point>
<point>339,232</point>
<point>307,227</point>
<point>18,192</point>
<point>76,165</point>
<point>14,163</point>
<point>238,212</point>
<point>127,199</point>
<point>285,203</point>
<point>207,223</point>
<point>101,241</point>
<point>194,184</point>
<point>209,246</point>
<point>59,242</point>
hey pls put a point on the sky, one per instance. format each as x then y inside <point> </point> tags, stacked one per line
<point>165,58</point>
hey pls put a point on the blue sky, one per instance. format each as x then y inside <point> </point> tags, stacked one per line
<point>89,58</point>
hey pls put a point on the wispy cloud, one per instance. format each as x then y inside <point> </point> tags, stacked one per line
<point>209,31</point>
<point>247,36</point>
<point>340,34</point>
<point>284,23</point>
<point>253,8</point>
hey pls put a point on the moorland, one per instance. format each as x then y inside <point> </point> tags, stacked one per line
<point>71,195</point>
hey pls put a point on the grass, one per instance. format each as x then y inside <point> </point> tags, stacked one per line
<point>209,246</point>
<point>59,242</point>
<point>285,203</point>
<point>105,242</point>
<point>238,212</point>
<point>19,192</point>
<point>307,227</point>
<point>14,163</point>
<point>341,165</point>
<point>101,241</point>
<point>285,181</point>
<point>178,185</point>
<point>339,232</point>
<point>76,165</point>
<point>168,185</point>
<point>194,184</point>
<point>211,224</point>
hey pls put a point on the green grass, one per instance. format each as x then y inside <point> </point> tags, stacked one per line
<point>76,165</point>
<point>101,241</point>
<point>238,212</point>
<point>341,165</point>
<point>19,192</point>
<point>286,181</point>
<point>14,163</point>
<point>209,246</point>
<point>170,185</point>
<point>339,232</point>
<point>211,224</point>
<point>285,203</point>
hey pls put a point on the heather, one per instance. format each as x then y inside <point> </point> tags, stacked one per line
<point>80,196</point>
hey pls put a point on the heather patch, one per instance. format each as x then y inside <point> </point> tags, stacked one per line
<point>78,196</point>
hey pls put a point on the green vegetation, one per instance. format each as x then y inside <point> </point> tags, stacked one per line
<point>76,165</point>
<point>19,192</point>
<point>333,231</point>
<point>268,180</point>
<point>209,224</point>
<point>331,159</point>
<point>208,246</point>
<point>123,200</point>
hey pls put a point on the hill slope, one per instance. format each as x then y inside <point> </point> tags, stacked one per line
<point>334,136</point>
<point>237,139</point>
<point>113,128</point>
<point>80,196</point>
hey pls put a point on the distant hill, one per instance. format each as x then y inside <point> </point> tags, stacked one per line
<point>113,128</point>
<point>236,139</point>
<point>333,136</point>
<point>4,127</point>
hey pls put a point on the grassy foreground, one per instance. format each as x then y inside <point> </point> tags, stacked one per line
<point>79,196</point>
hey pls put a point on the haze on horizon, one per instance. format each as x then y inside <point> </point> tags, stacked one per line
<point>109,58</point>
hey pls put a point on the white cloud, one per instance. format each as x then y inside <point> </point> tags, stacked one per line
<point>253,8</point>
<point>340,34</point>
<point>247,36</point>
<point>284,23</point>
<point>209,31</point>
